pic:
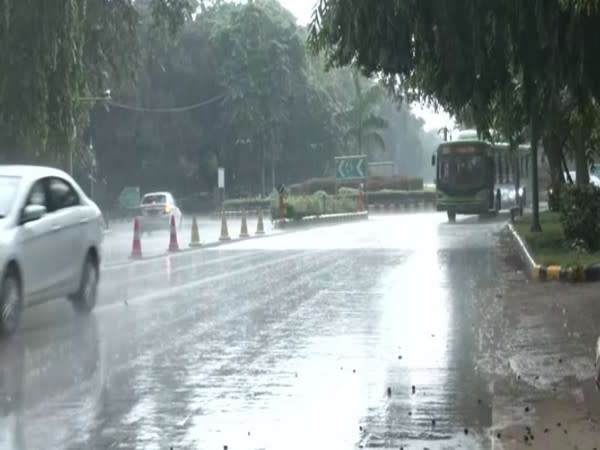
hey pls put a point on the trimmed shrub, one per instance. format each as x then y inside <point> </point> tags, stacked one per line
<point>345,191</point>
<point>297,207</point>
<point>373,184</point>
<point>580,216</point>
<point>246,203</point>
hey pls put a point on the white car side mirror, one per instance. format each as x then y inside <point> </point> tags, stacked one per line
<point>32,212</point>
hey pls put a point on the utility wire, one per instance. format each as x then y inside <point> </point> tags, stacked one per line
<point>174,109</point>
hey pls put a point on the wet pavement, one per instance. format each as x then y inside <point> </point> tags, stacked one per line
<point>384,334</point>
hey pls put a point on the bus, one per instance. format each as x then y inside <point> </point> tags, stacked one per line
<point>474,176</point>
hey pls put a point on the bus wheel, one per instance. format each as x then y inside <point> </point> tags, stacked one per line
<point>451,216</point>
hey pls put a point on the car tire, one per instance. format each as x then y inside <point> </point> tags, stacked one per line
<point>11,302</point>
<point>84,299</point>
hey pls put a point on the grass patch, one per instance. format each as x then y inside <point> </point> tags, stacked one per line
<point>549,246</point>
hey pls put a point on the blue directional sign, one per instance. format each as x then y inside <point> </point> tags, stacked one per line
<point>350,167</point>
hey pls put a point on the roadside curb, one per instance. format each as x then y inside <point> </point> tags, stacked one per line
<point>328,219</point>
<point>409,207</point>
<point>232,213</point>
<point>541,273</point>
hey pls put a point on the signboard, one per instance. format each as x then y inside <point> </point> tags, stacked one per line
<point>129,198</point>
<point>381,169</point>
<point>221,177</point>
<point>350,167</point>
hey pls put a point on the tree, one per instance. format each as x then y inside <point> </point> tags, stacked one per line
<point>363,123</point>
<point>54,53</point>
<point>468,52</point>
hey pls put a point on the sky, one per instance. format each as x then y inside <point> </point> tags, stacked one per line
<point>302,9</point>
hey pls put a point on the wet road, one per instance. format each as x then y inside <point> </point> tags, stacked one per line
<point>287,342</point>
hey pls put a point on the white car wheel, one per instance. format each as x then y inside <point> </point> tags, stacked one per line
<point>85,299</point>
<point>11,303</point>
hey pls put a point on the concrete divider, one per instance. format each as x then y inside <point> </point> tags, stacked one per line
<point>407,207</point>
<point>325,219</point>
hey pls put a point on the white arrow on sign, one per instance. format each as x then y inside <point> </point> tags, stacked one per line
<point>360,168</point>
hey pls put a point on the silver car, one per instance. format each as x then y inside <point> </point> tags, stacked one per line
<point>50,241</point>
<point>157,209</point>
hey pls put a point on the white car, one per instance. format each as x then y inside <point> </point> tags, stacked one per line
<point>50,242</point>
<point>157,208</point>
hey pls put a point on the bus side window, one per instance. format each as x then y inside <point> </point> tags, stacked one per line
<point>500,171</point>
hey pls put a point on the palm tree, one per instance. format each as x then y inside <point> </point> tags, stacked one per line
<point>363,123</point>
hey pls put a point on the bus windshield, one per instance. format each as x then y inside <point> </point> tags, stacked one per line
<point>462,171</point>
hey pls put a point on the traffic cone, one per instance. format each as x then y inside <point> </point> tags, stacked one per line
<point>224,230</point>
<point>260,226</point>
<point>136,248</point>
<point>173,244</point>
<point>244,231</point>
<point>195,240</point>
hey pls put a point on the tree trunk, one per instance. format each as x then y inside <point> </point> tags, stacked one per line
<point>262,170</point>
<point>582,176</point>
<point>535,223</point>
<point>553,151</point>
<point>514,151</point>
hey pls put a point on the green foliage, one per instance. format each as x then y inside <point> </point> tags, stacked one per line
<point>298,207</point>
<point>328,185</point>
<point>276,116</point>
<point>549,246</point>
<point>55,53</point>
<point>345,191</point>
<point>580,216</point>
<point>246,203</point>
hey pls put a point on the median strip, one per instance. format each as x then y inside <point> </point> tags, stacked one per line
<point>547,256</point>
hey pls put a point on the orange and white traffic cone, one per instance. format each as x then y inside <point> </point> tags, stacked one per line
<point>136,248</point>
<point>224,231</point>
<point>173,244</point>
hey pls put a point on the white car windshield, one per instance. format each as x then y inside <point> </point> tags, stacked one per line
<point>154,198</point>
<point>8,190</point>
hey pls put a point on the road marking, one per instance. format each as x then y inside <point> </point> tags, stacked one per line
<point>161,269</point>
<point>174,290</point>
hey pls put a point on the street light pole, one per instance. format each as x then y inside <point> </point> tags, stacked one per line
<point>105,96</point>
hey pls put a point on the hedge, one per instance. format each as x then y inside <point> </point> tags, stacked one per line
<point>246,203</point>
<point>297,207</point>
<point>322,203</point>
<point>328,185</point>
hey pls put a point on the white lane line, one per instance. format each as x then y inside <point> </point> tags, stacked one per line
<point>175,290</point>
<point>161,269</point>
